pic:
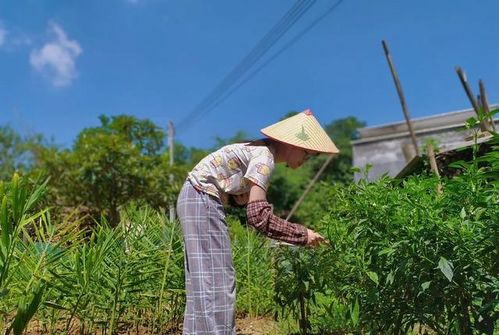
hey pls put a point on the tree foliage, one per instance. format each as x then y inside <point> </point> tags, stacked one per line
<point>120,161</point>
<point>287,185</point>
<point>124,159</point>
<point>342,131</point>
<point>16,151</point>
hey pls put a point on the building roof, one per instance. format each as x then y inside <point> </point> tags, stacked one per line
<point>387,148</point>
<point>421,125</point>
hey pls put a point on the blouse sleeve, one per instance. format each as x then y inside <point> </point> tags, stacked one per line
<point>260,168</point>
<point>260,215</point>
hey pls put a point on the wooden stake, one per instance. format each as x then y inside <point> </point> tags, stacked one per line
<point>469,93</point>
<point>485,105</point>
<point>434,165</point>
<point>274,243</point>
<point>309,186</point>
<point>401,97</point>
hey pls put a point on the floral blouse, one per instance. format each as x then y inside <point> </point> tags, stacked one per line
<point>230,170</point>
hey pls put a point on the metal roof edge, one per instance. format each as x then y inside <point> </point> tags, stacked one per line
<point>399,128</point>
<point>405,134</point>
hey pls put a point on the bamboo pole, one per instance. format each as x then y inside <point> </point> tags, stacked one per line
<point>274,243</point>
<point>434,165</point>
<point>485,105</point>
<point>462,77</point>
<point>309,186</point>
<point>401,97</point>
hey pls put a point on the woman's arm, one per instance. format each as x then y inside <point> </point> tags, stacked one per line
<point>260,215</point>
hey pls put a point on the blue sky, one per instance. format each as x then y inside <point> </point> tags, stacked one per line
<point>63,63</point>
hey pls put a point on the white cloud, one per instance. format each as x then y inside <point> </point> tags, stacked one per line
<point>3,35</point>
<point>15,38</point>
<point>56,59</point>
<point>20,40</point>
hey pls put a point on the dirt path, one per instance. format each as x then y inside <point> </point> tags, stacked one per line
<point>257,326</point>
<point>244,326</point>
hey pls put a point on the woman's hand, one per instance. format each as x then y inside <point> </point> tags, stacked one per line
<point>314,239</point>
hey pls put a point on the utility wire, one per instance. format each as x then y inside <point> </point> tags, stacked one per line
<point>254,55</point>
<point>268,41</point>
<point>277,54</point>
<point>284,24</point>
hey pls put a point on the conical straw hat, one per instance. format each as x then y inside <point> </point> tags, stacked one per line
<point>302,130</point>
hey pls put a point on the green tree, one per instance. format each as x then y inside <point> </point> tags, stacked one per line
<point>287,185</point>
<point>342,132</point>
<point>196,155</point>
<point>120,161</point>
<point>240,136</point>
<point>16,151</point>
<point>339,170</point>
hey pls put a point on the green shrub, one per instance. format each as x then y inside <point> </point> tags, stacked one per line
<point>409,255</point>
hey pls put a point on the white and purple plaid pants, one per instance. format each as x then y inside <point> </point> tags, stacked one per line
<point>210,282</point>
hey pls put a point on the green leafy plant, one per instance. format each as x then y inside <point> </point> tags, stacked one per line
<point>411,256</point>
<point>253,263</point>
<point>301,275</point>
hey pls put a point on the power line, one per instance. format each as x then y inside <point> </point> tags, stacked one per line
<point>283,25</point>
<point>268,40</point>
<point>266,43</point>
<point>277,54</point>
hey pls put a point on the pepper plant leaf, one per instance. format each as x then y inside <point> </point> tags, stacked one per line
<point>446,267</point>
<point>373,276</point>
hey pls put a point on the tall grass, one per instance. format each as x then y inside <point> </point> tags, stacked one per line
<point>58,279</point>
<point>70,282</point>
<point>254,275</point>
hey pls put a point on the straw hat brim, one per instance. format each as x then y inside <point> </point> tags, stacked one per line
<point>303,131</point>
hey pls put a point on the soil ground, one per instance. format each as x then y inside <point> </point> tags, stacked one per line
<point>260,325</point>
<point>257,326</point>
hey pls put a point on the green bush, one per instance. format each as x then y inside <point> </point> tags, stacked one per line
<point>409,256</point>
<point>403,256</point>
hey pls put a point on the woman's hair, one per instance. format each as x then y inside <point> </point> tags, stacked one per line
<point>261,142</point>
<point>258,142</point>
